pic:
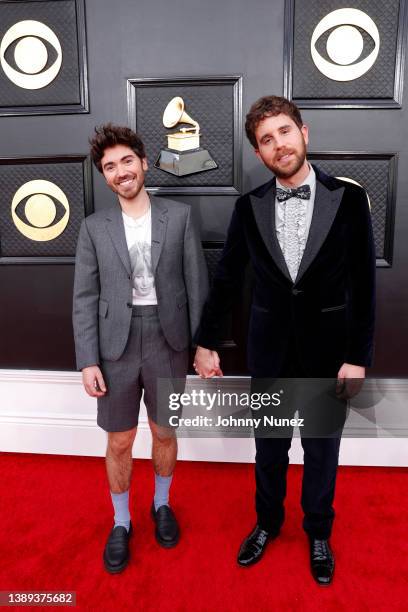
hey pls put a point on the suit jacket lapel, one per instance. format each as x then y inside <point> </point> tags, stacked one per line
<point>325,208</point>
<point>159,226</point>
<point>326,204</point>
<point>116,230</point>
<point>263,207</point>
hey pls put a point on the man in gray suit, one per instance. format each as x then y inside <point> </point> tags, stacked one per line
<point>140,284</point>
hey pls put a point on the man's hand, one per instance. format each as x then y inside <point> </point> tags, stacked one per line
<point>93,382</point>
<point>348,370</point>
<point>207,363</point>
<point>349,380</point>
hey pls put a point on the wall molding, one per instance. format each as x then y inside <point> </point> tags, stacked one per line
<point>48,412</point>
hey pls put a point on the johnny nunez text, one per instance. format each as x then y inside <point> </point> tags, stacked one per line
<point>230,421</point>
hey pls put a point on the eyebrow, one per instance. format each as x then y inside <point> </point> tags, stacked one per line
<point>110,163</point>
<point>280,128</point>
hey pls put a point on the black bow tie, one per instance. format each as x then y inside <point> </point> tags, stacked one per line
<point>302,192</point>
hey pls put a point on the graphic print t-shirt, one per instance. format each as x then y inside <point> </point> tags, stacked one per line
<point>139,242</point>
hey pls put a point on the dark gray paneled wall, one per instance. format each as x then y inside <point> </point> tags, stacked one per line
<point>140,38</point>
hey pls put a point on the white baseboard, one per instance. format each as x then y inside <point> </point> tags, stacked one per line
<point>49,413</point>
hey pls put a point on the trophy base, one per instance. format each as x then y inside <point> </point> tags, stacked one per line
<point>182,163</point>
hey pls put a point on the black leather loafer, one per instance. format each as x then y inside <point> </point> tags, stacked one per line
<point>321,561</point>
<point>253,547</point>
<point>167,530</point>
<point>116,553</point>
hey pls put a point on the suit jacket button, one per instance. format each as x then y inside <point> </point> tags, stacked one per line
<point>129,304</point>
<point>296,291</point>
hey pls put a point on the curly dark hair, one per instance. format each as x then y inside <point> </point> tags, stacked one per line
<point>269,106</point>
<point>109,135</point>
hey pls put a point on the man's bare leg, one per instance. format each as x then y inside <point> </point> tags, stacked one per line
<point>119,471</point>
<point>164,449</point>
<point>119,459</point>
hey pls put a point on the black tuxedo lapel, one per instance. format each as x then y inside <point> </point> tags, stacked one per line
<point>116,230</point>
<point>263,206</point>
<point>327,201</point>
<point>159,225</point>
<point>325,208</point>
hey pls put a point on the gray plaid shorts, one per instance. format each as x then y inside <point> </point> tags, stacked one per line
<point>146,358</point>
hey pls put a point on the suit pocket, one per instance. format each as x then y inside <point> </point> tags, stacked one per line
<point>174,247</point>
<point>181,298</point>
<point>103,308</point>
<point>333,308</point>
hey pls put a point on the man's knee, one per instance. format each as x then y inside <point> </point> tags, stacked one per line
<point>121,442</point>
<point>162,435</point>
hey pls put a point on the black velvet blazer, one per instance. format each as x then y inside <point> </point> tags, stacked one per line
<point>328,311</point>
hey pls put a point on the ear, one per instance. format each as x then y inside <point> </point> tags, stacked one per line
<point>144,164</point>
<point>305,131</point>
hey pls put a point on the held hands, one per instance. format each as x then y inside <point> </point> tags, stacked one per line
<point>350,379</point>
<point>207,363</point>
<point>93,382</point>
<point>348,370</point>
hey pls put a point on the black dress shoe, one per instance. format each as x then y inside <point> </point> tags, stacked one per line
<point>116,553</point>
<point>253,547</point>
<point>321,561</point>
<point>167,530</point>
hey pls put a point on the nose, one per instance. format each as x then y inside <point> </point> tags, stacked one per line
<point>121,171</point>
<point>279,142</point>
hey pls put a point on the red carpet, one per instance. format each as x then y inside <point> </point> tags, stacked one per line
<point>56,514</point>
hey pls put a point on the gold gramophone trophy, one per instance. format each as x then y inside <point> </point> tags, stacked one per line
<point>183,154</point>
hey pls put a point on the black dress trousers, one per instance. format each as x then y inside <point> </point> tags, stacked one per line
<point>320,457</point>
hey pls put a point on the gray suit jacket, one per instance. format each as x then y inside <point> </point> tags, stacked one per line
<point>102,305</point>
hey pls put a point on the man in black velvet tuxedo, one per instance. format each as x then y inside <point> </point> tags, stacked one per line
<point>309,239</point>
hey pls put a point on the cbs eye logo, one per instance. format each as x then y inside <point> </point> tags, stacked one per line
<point>46,208</point>
<point>24,45</point>
<point>345,44</point>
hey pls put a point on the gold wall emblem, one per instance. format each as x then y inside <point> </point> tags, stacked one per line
<point>345,44</point>
<point>30,54</point>
<point>40,210</point>
<point>183,154</point>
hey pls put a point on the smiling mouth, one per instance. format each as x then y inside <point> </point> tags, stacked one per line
<point>284,158</point>
<point>126,182</point>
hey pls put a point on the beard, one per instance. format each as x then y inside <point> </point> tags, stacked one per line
<point>285,171</point>
<point>130,193</point>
